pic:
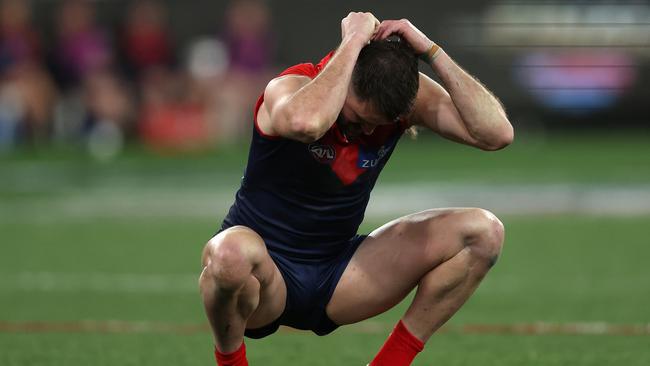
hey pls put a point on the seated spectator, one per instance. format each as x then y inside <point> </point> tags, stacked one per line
<point>145,40</point>
<point>172,116</point>
<point>249,42</point>
<point>27,93</point>
<point>97,105</point>
<point>83,47</point>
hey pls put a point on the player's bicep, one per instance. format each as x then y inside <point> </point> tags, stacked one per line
<point>435,110</point>
<point>272,118</point>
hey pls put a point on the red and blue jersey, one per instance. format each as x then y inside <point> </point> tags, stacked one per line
<point>308,200</point>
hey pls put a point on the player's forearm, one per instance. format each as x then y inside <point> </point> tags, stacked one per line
<point>316,106</point>
<point>481,112</point>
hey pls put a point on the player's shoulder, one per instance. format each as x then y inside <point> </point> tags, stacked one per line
<point>291,79</point>
<point>303,69</point>
<point>308,69</point>
<point>285,84</point>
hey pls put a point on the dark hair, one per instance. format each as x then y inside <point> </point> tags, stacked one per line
<point>386,74</point>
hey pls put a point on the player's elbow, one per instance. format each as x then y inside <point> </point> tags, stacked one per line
<point>503,136</point>
<point>294,124</point>
<point>308,133</point>
<point>304,129</point>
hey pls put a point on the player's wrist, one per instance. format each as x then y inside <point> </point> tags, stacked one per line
<point>358,40</point>
<point>431,54</point>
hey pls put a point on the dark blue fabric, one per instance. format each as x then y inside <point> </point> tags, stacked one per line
<point>300,205</point>
<point>307,201</point>
<point>309,289</point>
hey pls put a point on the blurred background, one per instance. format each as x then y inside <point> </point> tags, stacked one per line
<point>124,129</point>
<point>180,76</point>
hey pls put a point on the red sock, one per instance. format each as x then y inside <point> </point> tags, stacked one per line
<point>400,348</point>
<point>236,358</point>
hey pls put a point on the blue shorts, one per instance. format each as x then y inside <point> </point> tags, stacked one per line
<point>310,285</point>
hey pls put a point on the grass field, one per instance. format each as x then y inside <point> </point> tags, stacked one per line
<point>83,284</point>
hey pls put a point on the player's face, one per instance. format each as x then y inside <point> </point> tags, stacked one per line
<point>360,117</point>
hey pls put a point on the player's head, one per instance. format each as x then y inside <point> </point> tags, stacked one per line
<point>384,83</point>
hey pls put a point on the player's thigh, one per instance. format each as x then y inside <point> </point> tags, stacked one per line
<point>239,248</point>
<point>393,258</point>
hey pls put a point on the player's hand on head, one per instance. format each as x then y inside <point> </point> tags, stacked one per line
<point>360,25</point>
<point>405,29</point>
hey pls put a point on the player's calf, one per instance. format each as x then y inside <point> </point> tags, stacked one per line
<point>474,239</point>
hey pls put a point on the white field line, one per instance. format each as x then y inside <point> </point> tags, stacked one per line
<point>366,327</point>
<point>515,199</point>
<point>386,201</point>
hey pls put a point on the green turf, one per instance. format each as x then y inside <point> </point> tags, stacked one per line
<point>554,268</point>
<point>304,349</point>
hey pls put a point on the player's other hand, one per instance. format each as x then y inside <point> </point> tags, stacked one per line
<point>361,26</point>
<point>418,40</point>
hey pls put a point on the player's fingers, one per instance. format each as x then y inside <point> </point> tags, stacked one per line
<point>380,30</point>
<point>377,22</point>
<point>388,28</point>
<point>393,27</point>
<point>369,14</point>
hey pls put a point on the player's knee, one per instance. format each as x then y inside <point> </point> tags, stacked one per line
<point>229,258</point>
<point>483,234</point>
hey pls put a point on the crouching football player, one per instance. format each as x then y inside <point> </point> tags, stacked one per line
<point>288,252</point>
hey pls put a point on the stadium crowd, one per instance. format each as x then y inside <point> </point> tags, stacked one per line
<point>83,82</point>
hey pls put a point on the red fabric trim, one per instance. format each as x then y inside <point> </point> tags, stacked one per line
<point>321,65</point>
<point>305,69</point>
<point>260,100</point>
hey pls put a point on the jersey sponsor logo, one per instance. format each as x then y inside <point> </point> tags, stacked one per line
<point>322,153</point>
<point>372,158</point>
